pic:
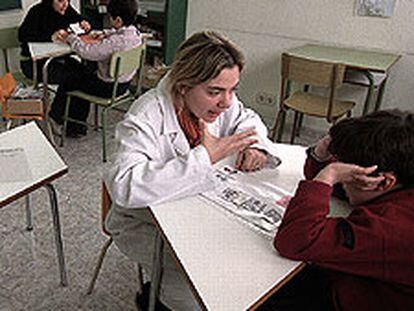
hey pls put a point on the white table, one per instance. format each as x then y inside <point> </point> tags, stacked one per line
<point>45,165</point>
<point>229,266</point>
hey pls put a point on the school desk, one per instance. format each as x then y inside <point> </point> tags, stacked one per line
<point>366,61</point>
<point>228,265</point>
<point>34,152</point>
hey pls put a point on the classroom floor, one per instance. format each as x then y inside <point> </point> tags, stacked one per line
<point>29,276</point>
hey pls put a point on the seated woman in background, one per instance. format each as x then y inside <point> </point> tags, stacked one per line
<point>122,36</point>
<point>43,20</point>
<point>168,143</point>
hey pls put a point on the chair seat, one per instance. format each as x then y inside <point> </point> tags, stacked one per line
<point>316,105</point>
<point>359,78</point>
<point>102,101</point>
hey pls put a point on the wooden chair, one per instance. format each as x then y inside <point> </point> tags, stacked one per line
<point>309,73</point>
<point>121,63</point>
<point>372,81</point>
<point>106,203</point>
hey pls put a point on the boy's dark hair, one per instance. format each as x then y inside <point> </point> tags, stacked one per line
<point>384,138</point>
<point>125,9</point>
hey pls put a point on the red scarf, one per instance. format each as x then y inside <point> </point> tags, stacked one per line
<point>189,124</point>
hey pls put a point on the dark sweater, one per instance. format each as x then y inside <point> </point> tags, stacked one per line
<point>41,22</point>
<point>370,253</point>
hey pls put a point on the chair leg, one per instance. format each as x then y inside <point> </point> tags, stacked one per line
<point>65,120</point>
<point>103,121</point>
<point>278,126</point>
<point>96,118</point>
<point>140,275</point>
<point>295,125</point>
<point>99,265</point>
<point>29,223</point>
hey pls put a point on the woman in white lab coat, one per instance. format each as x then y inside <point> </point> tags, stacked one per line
<point>169,141</point>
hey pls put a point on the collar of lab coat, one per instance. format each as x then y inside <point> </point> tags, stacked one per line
<point>170,124</point>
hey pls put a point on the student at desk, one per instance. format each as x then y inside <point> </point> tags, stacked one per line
<point>167,145</point>
<point>367,257</point>
<point>41,23</point>
<point>122,36</point>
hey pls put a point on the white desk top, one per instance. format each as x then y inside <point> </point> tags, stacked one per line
<point>40,50</point>
<point>230,266</point>
<point>44,162</point>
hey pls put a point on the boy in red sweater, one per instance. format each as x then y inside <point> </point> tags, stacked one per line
<point>366,259</point>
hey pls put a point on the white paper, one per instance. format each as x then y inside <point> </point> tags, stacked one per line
<point>259,205</point>
<point>14,166</point>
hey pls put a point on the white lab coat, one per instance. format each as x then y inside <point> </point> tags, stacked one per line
<point>154,163</point>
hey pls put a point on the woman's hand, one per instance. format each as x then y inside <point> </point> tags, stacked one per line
<point>85,25</point>
<point>251,159</point>
<point>219,148</point>
<point>60,36</point>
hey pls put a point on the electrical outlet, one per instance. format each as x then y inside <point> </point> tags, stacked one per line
<point>263,98</point>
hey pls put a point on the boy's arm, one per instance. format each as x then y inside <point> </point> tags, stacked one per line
<point>353,244</point>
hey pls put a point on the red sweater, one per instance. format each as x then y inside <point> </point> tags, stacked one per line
<point>370,253</point>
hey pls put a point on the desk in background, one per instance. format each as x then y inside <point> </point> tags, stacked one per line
<point>45,166</point>
<point>229,266</point>
<point>357,59</point>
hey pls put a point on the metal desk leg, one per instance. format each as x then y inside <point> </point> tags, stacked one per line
<point>46,100</point>
<point>380,95</point>
<point>370,94</point>
<point>29,224</point>
<point>58,236</point>
<point>156,271</point>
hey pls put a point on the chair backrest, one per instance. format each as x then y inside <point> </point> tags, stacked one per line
<point>127,61</point>
<point>312,72</point>
<point>106,203</point>
<point>8,40</point>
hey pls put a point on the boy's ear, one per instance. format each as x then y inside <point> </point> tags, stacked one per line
<point>389,181</point>
<point>119,21</point>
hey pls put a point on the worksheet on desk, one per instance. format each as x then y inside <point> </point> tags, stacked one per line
<point>14,166</point>
<point>257,204</point>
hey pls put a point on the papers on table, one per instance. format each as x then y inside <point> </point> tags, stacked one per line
<point>40,50</point>
<point>256,204</point>
<point>13,165</point>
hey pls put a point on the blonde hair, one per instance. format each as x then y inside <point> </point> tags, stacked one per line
<point>201,58</point>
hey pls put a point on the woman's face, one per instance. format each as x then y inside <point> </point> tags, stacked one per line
<point>60,6</point>
<point>209,99</point>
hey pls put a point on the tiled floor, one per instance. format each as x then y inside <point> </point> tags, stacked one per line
<point>29,277</point>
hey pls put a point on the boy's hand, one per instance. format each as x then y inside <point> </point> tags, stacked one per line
<point>219,148</point>
<point>321,148</point>
<point>85,25</point>
<point>339,172</point>
<point>251,159</point>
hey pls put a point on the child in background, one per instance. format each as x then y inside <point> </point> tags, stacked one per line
<point>366,260</point>
<point>123,36</point>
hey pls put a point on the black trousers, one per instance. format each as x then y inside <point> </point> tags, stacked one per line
<point>80,77</point>
<point>307,291</point>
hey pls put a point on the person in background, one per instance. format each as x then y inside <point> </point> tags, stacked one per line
<point>364,261</point>
<point>169,141</point>
<point>122,36</point>
<point>44,20</point>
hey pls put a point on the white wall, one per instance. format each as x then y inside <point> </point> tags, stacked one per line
<point>265,28</point>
